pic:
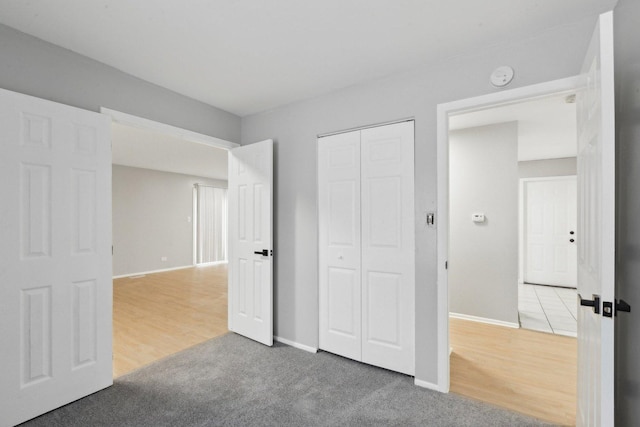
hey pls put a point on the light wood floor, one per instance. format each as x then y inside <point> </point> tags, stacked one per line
<point>526,371</point>
<point>163,313</point>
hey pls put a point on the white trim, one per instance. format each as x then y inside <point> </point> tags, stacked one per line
<point>152,271</point>
<point>429,385</point>
<point>484,320</point>
<point>392,122</point>
<point>187,135</point>
<point>295,344</point>
<point>512,96</point>
<point>521,236</point>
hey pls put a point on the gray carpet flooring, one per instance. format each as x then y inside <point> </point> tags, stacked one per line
<point>233,381</point>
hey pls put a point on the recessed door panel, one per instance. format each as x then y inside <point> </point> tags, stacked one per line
<point>36,325</point>
<point>342,292</point>
<point>84,317</point>
<point>384,197</point>
<point>258,284</point>
<point>86,139</point>
<point>242,213</point>
<point>241,286</point>
<point>384,308</point>
<point>35,215</point>
<point>384,150</point>
<point>83,211</point>
<point>257,212</point>
<point>36,131</point>
<point>342,205</point>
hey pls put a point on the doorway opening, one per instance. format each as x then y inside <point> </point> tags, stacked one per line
<point>514,167</point>
<point>504,155</point>
<point>169,240</point>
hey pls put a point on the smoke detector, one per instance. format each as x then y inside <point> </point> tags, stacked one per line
<point>502,76</point>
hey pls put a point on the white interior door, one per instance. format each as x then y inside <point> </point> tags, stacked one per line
<point>250,199</point>
<point>388,255</point>
<point>596,229</point>
<point>339,239</point>
<point>55,255</point>
<point>366,245</point>
<point>550,231</point>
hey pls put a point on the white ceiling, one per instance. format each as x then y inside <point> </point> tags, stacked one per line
<point>546,127</point>
<point>252,55</point>
<point>147,149</point>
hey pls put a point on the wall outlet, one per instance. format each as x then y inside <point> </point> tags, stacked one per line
<point>164,258</point>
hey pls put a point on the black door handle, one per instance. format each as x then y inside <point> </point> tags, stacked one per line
<point>594,303</point>
<point>572,240</point>
<point>264,252</point>
<point>572,232</point>
<point>622,306</point>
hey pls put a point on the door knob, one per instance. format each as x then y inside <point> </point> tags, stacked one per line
<point>572,240</point>
<point>572,232</point>
<point>264,252</point>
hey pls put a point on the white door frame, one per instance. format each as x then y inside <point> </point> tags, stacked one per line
<point>521,208</point>
<point>567,85</point>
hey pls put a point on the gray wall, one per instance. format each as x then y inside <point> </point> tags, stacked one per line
<point>627,36</point>
<point>34,67</point>
<point>483,257</point>
<point>548,167</point>
<point>150,219</point>
<point>554,54</point>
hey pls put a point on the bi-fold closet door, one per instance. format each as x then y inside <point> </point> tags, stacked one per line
<point>366,245</point>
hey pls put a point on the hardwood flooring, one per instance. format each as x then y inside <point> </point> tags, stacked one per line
<point>530,372</point>
<point>160,314</point>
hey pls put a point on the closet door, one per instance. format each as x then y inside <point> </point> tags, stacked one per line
<point>339,244</point>
<point>388,255</point>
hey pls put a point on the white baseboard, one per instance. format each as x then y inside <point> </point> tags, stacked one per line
<point>296,345</point>
<point>427,384</point>
<point>485,320</point>
<point>141,273</point>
